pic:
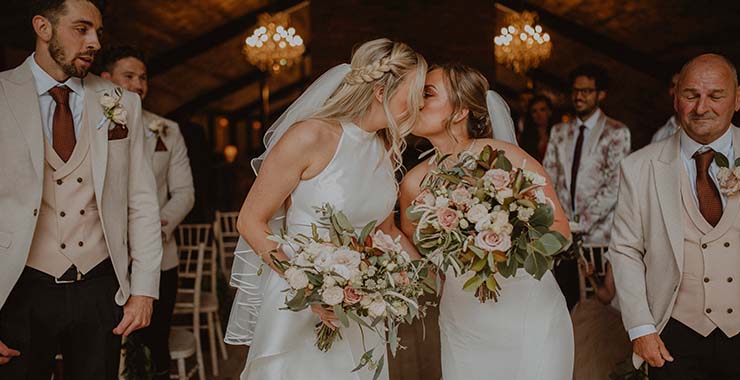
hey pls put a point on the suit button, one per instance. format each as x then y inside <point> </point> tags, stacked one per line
<point>59,182</point>
<point>706,279</point>
<point>62,214</point>
<point>80,244</point>
<point>727,244</point>
<point>35,212</point>
<point>709,311</point>
<point>729,311</point>
<point>63,246</point>
<point>82,212</point>
<point>729,279</point>
<point>79,179</point>
<point>704,246</point>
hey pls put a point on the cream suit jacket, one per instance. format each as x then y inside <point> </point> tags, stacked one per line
<point>125,190</point>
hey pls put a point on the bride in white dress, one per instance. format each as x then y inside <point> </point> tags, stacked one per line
<point>527,334</point>
<point>339,143</point>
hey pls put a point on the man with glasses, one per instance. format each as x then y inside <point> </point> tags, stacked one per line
<point>582,160</point>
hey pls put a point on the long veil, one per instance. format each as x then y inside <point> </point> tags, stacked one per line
<point>500,115</point>
<point>246,276</point>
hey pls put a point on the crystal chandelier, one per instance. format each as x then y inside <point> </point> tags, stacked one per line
<point>522,45</point>
<point>273,45</point>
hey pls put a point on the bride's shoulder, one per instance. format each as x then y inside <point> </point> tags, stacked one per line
<point>311,131</point>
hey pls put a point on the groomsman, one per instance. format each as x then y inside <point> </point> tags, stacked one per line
<point>79,234</point>
<point>165,149</point>
<point>676,235</point>
<point>582,159</point>
<point>671,126</point>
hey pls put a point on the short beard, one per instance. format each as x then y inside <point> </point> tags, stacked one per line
<point>587,111</point>
<point>56,51</point>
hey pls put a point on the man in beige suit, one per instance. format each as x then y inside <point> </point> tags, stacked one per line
<point>79,234</point>
<point>165,148</point>
<point>676,235</point>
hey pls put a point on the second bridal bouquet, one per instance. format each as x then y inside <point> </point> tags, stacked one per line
<point>365,278</point>
<point>486,216</point>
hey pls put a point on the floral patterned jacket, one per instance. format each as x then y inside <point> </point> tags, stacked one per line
<point>598,174</point>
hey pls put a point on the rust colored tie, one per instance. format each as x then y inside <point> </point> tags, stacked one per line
<point>575,166</point>
<point>710,203</point>
<point>63,129</point>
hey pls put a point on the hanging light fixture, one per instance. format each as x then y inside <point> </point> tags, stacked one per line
<point>523,44</point>
<point>274,44</point>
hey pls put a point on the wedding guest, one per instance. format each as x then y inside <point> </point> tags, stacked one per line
<point>165,149</point>
<point>582,159</point>
<point>676,234</point>
<point>537,124</point>
<point>670,127</point>
<point>79,237</point>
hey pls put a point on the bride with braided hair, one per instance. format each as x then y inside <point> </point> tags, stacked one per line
<point>527,334</point>
<point>340,142</point>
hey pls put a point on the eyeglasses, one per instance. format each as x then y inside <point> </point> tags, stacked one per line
<point>584,91</point>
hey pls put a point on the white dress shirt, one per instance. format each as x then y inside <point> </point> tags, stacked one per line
<point>666,131</point>
<point>44,83</point>
<point>723,145</point>
<point>590,123</point>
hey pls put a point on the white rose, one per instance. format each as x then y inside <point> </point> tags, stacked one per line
<point>107,101</point>
<point>297,279</point>
<point>535,178</point>
<point>441,202</point>
<point>524,213</point>
<point>477,213</point>
<point>376,308</point>
<point>483,225</point>
<point>366,301</point>
<point>302,260</point>
<point>329,281</point>
<point>332,295</point>
<point>119,116</point>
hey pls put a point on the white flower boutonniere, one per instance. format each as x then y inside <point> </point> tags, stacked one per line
<point>112,108</point>
<point>728,178</point>
<point>158,128</point>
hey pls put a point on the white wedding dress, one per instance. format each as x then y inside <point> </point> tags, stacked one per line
<point>526,335</point>
<point>359,181</point>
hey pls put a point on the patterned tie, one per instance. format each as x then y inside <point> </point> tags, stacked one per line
<point>64,125</point>
<point>576,165</point>
<point>710,203</point>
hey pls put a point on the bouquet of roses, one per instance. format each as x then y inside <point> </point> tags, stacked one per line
<point>483,215</point>
<point>365,278</point>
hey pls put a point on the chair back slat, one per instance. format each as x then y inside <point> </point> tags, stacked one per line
<point>190,275</point>
<point>227,236</point>
<point>595,256</point>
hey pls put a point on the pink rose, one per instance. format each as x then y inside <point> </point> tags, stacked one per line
<point>460,195</point>
<point>384,242</point>
<point>425,198</point>
<point>728,183</point>
<point>491,241</point>
<point>350,296</point>
<point>447,218</point>
<point>498,178</point>
<point>401,278</point>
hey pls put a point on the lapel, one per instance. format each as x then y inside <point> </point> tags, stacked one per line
<point>566,150</point>
<point>667,168</point>
<point>594,136</point>
<point>24,104</point>
<point>150,139</point>
<point>98,136</point>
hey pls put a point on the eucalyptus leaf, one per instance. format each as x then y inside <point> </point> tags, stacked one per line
<point>721,160</point>
<point>339,311</point>
<point>379,369</point>
<point>366,231</point>
<point>543,216</point>
<point>478,252</point>
<point>502,162</point>
<point>473,283</point>
<point>364,359</point>
<point>479,265</point>
<point>737,162</point>
<point>491,283</point>
<point>344,222</point>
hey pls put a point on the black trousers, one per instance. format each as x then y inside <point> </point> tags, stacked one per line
<point>566,275</point>
<point>156,336</point>
<point>715,357</point>
<point>41,318</point>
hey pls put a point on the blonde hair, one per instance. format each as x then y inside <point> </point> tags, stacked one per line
<point>385,63</point>
<point>467,89</point>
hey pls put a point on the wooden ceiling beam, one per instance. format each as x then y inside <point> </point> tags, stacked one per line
<point>217,93</point>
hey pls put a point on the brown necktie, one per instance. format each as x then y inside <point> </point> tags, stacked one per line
<point>710,203</point>
<point>63,130</point>
<point>575,166</point>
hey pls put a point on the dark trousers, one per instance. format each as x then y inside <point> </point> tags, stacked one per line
<point>41,318</point>
<point>156,336</point>
<point>566,274</point>
<point>715,357</point>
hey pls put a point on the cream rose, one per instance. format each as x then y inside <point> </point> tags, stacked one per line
<point>447,218</point>
<point>119,116</point>
<point>491,241</point>
<point>477,213</point>
<point>297,279</point>
<point>332,295</point>
<point>376,308</point>
<point>524,213</point>
<point>460,195</point>
<point>108,101</point>
<point>401,278</point>
<point>384,242</point>
<point>425,198</point>
<point>498,178</point>
<point>729,183</point>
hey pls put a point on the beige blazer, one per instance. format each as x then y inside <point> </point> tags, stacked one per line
<point>175,191</point>
<point>596,193</point>
<point>647,244</point>
<point>122,177</point>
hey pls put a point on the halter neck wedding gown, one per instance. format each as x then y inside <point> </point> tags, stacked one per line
<point>359,181</point>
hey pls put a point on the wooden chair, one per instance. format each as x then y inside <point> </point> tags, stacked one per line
<point>185,340</point>
<point>594,256</point>
<point>226,234</point>
<point>191,235</point>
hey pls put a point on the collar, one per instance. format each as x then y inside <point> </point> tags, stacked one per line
<point>722,145</point>
<point>44,81</point>
<point>590,123</point>
<point>672,122</point>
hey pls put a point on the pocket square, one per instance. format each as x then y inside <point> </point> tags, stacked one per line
<point>160,145</point>
<point>118,132</point>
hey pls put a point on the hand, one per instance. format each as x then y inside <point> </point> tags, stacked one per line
<point>137,313</point>
<point>7,353</point>
<point>163,223</point>
<point>327,316</point>
<point>586,268</point>
<point>651,348</point>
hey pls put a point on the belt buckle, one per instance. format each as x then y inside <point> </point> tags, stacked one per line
<point>78,277</point>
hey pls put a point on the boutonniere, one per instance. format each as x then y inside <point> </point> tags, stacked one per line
<point>112,107</point>
<point>728,177</point>
<point>158,128</point>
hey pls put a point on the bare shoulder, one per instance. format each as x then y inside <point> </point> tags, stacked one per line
<point>310,134</point>
<point>412,180</point>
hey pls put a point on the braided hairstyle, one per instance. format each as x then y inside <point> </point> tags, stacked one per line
<point>385,63</point>
<point>467,89</point>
